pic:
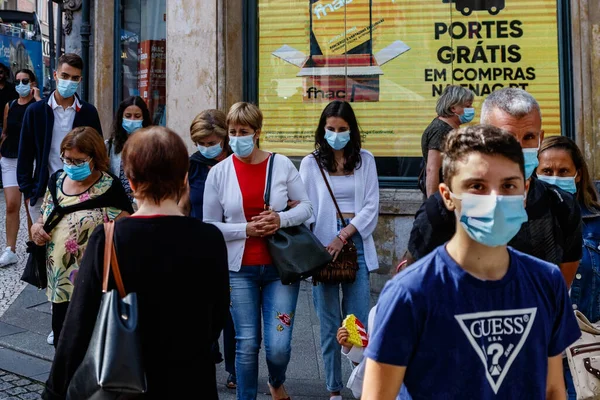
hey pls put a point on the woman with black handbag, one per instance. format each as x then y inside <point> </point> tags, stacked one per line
<point>234,200</point>
<point>176,266</point>
<point>342,184</point>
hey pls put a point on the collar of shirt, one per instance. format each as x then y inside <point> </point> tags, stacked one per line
<point>54,105</point>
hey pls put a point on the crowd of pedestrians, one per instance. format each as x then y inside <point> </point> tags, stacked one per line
<point>509,224</point>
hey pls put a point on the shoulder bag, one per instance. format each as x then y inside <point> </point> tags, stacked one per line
<point>584,359</point>
<point>113,366</point>
<point>343,268</point>
<point>296,252</point>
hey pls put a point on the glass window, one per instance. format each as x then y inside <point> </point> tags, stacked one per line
<point>143,48</point>
<point>392,59</point>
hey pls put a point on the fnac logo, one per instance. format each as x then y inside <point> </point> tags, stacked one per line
<point>466,7</point>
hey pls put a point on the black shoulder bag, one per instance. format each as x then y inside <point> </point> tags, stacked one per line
<point>113,366</point>
<point>296,252</point>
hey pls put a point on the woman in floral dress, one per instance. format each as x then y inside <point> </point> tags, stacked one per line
<point>83,181</point>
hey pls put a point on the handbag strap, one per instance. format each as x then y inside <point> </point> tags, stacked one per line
<point>330,192</point>
<point>110,258</point>
<point>267,197</point>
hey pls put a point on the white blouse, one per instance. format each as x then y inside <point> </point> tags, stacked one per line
<point>366,203</point>
<point>223,204</point>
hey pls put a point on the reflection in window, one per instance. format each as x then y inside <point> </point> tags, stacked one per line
<point>143,50</point>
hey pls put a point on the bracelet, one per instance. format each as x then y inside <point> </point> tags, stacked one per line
<point>344,241</point>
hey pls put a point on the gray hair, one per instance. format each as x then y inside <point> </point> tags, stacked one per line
<point>452,96</point>
<point>513,101</point>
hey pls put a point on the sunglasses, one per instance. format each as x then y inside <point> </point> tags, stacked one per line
<point>22,81</point>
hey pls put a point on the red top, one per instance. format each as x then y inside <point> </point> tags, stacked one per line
<point>251,178</point>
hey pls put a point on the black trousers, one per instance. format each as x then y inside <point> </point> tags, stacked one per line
<point>59,312</point>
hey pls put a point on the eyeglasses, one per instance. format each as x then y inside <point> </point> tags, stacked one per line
<point>74,161</point>
<point>24,81</point>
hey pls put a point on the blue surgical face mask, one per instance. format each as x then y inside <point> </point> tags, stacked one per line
<point>531,161</point>
<point>132,125</point>
<point>566,183</point>
<point>78,172</point>
<point>337,140</point>
<point>467,116</point>
<point>66,88</point>
<point>210,152</point>
<point>242,146</point>
<point>490,219</point>
<point>23,90</point>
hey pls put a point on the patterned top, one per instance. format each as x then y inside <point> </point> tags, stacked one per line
<point>70,237</point>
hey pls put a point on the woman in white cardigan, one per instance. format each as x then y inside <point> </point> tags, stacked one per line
<point>234,202</point>
<point>352,175</point>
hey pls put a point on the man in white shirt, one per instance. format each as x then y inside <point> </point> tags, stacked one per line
<point>45,125</point>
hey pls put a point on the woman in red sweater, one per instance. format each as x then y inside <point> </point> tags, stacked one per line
<point>234,202</point>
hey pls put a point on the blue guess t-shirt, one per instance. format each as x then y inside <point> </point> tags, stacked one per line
<point>464,338</point>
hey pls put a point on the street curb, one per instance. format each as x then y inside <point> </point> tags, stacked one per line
<point>25,365</point>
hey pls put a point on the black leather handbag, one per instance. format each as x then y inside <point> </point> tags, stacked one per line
<point>296,252</point>
<point>113,366</point>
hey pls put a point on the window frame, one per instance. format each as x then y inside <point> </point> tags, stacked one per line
<point>250,35</point>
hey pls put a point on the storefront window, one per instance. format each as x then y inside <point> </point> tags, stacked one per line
<point>143,34</point>
<point>392,59</point>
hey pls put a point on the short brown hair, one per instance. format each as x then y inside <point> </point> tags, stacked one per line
<point>155,160</point>
<point>245,114</point>
<point>87,140</point>
<point>71,59</point>
<point>484,139</point>
<point>208,122</point>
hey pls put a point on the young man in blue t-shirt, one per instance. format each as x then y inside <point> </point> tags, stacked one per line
<point>474,319</point>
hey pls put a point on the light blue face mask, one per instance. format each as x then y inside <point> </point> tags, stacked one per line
<point>467,116</point>
<point>210,152</point>
<point>566,183</point>
<point>78,172</point>
<point>66,88</point>
<point>337,140</point>
<point>23,90</point>
<point>490,219</point>
<point>242,146</point>
<point>531,161</point>
<point>132,125</point>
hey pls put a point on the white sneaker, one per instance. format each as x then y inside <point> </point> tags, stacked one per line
<point>8,258</point>
<point>50,338</point>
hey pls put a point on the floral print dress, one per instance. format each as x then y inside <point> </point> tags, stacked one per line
<point>70,237</point>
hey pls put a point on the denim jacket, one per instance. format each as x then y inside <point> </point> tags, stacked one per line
<point>585,290</point>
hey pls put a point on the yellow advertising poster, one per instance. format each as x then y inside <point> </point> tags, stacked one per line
<point>392,59</point>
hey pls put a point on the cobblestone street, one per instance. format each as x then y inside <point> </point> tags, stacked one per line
<point>15,387</point>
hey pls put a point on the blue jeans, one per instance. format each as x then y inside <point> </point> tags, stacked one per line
<point>355,300</point>
<point>257,290</point>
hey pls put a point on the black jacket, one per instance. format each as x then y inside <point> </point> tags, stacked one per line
<point>35,142</point>
<point>552,232</point>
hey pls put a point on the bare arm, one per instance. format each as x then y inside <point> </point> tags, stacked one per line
<point>555,385</point>
<point>382,381</point>
<point>568,270</point>
<point>434,163</point>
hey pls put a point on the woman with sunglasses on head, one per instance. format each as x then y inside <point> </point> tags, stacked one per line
<point>9,149</point>
<point>83,181</point>
<point>561,163</point>
<point>132,115</point>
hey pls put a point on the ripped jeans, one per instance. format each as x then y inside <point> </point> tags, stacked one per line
<point>257,291</point>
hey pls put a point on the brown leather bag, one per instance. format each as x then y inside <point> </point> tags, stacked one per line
<point>343,268</point>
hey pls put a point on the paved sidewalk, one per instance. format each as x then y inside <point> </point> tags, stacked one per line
<point>25,322</point>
